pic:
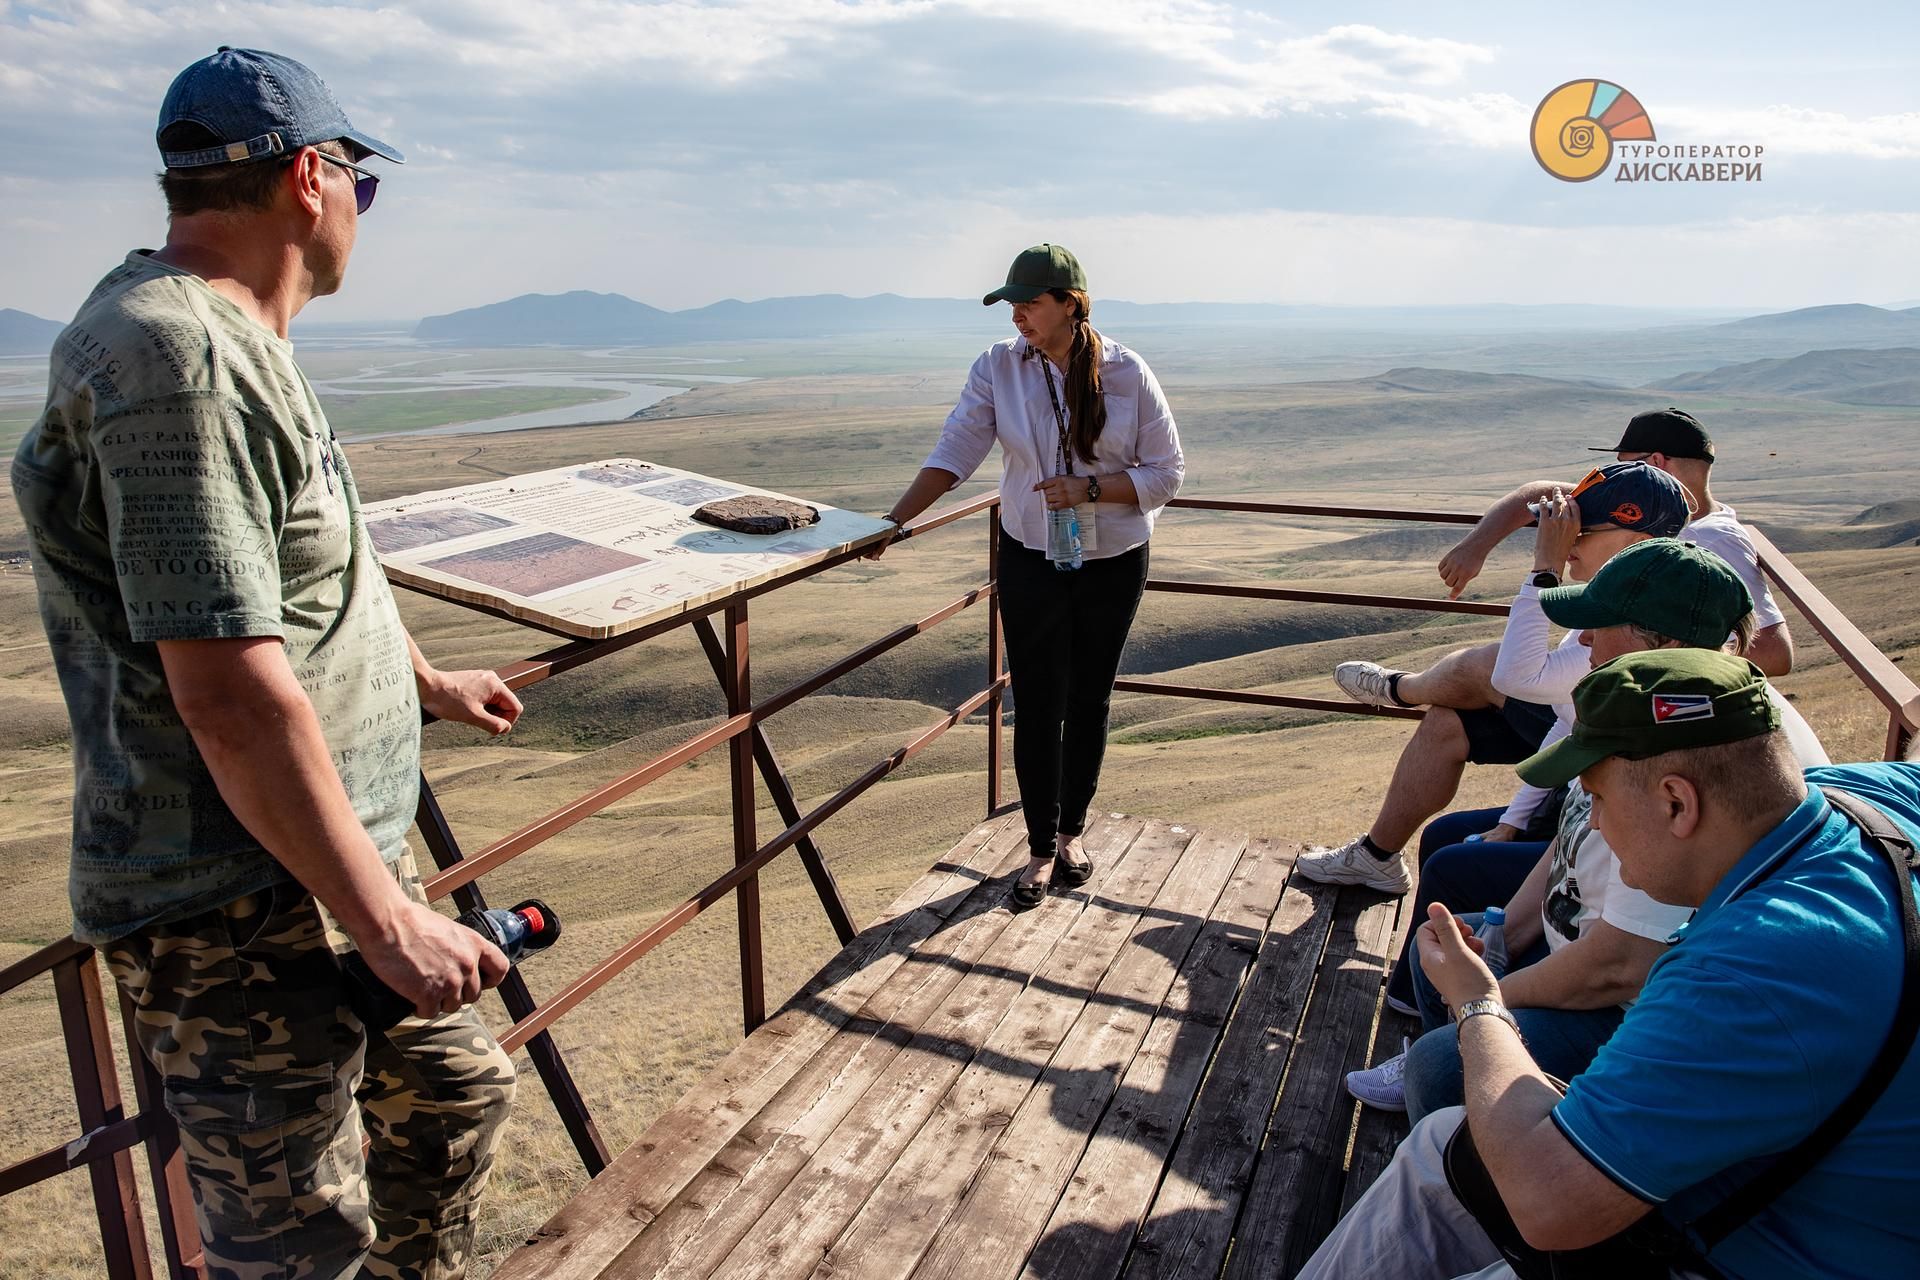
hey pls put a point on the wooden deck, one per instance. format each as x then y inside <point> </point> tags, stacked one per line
<point>1140,1076</point>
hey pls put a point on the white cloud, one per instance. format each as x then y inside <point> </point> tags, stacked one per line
<point>1788,131</point>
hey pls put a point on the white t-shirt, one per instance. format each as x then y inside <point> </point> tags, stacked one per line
<point>1721,532</point>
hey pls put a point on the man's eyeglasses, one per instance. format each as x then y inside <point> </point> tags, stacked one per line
<point>364,186</point>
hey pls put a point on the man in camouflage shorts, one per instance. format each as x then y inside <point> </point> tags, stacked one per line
<point>246,714</point>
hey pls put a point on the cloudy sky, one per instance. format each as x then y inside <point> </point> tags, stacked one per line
<point>684,152</point>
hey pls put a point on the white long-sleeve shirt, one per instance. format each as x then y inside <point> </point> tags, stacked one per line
<point>1530,667</point>
<point>1006,400</point>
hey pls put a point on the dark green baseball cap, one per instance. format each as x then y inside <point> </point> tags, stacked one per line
<point>1646,704</point>
<point>1662,584</point>
<point>1036,270</point>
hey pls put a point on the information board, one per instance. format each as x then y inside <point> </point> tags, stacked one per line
<point>597,549</point>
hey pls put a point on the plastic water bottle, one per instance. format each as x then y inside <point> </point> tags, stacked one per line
<point>1493,933</point>
<point>531,926</point>
<point>1063,538</point>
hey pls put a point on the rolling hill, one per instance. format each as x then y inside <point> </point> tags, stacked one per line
<point>1852,323</point>
<point>1847,376</point>
<point>22,334</point>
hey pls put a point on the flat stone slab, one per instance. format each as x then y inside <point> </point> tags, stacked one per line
<point>753,513</point>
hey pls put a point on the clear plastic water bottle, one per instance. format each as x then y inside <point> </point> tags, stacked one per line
<point>1063,538</point>
<point>1493,933</point>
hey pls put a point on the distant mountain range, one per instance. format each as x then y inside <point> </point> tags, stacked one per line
<point>582,318</point>
<point>26,335</point>
<point>1848,376</point>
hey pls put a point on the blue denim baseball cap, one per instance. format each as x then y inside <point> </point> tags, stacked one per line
<point>255,104</point>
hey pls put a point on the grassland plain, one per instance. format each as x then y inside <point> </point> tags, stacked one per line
<point>1414,437</point>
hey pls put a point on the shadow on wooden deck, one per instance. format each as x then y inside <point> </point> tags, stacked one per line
<point>1143,1075</point>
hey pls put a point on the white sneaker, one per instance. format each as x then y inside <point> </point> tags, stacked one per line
<point>1352,864</point>
<point>1383,1087</point>
<point>1401,1006</point>
<point>1368,682</point>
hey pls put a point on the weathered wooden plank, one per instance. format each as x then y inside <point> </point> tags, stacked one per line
<point>1377,1133</point>
<point>1190,1223</point>
<point>590,1230</point>
<point>1093,1226</point>
<point>1000,1215</point>
<point>904,1215</point>
<point>724,1199</point>
<point>1295,1194</point>
<point>1059,945</point>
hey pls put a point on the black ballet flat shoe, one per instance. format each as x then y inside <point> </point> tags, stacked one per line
<point>1070,876</point>
<point>1028,896</point>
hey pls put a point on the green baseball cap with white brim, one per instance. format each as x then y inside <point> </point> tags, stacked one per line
<point>1036,270</point>
<point>1649,703</point>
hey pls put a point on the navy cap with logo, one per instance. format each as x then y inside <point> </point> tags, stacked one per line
<point>1674,432</point>
<point>248,105</point>
<point>1632,495</point>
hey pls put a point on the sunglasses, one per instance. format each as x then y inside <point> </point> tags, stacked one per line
<point>364,186</point>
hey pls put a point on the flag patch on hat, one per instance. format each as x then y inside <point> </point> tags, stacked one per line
<point>1668,707</point>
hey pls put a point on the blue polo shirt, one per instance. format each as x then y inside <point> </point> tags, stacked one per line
<point>1752,1028</point>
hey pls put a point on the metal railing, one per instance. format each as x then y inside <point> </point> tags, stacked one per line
<point>108,1133</point>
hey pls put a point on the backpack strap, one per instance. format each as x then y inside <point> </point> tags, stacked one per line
<point>1893,844</point>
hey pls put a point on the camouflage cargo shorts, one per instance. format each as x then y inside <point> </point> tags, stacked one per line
<point>278,1089</point>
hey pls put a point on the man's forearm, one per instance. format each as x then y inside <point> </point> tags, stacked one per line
<point>1772,650</point>
<point>1508,515</point>
<point>262,742</point>
<point>1604,967</point>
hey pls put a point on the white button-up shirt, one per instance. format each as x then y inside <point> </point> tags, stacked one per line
<point>1006,400</point>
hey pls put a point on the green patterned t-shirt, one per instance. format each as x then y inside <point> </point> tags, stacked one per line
<point>182,484</point>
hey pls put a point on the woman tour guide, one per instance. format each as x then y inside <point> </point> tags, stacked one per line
<point>1085,434</point>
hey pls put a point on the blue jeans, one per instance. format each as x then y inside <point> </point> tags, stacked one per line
<point>1464,876</point>
<point>1562,1041</point>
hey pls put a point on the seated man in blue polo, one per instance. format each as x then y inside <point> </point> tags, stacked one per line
<point>1577,943</point>
<point>1750,1034</point>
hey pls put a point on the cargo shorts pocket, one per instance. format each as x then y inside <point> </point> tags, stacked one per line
<point>266,1149</point>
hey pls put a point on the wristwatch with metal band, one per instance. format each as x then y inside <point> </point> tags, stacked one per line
<point>1485,1005</point>
<point>1093,488</point>
<point>1544,579</point>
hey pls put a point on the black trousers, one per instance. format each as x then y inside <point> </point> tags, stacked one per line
<point>1064,635</point>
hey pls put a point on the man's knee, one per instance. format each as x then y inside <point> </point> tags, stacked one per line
<point>1441,733</point>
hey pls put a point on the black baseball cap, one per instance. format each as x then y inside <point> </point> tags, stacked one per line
<point>1671,431</point>
<point>250,104</point>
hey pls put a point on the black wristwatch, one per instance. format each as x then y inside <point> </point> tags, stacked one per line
<point>1093,488</point>
<point>1544,579</point>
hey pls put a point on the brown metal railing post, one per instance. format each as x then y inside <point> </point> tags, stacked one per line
<point>995,662</point>
<point>839,914</point>
<point>173,1197</point>
<point>96,1094</point>
<point>739,684</point>
<point>568,1102</point>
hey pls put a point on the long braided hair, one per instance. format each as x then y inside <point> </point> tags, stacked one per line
<point>1086,407</point>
